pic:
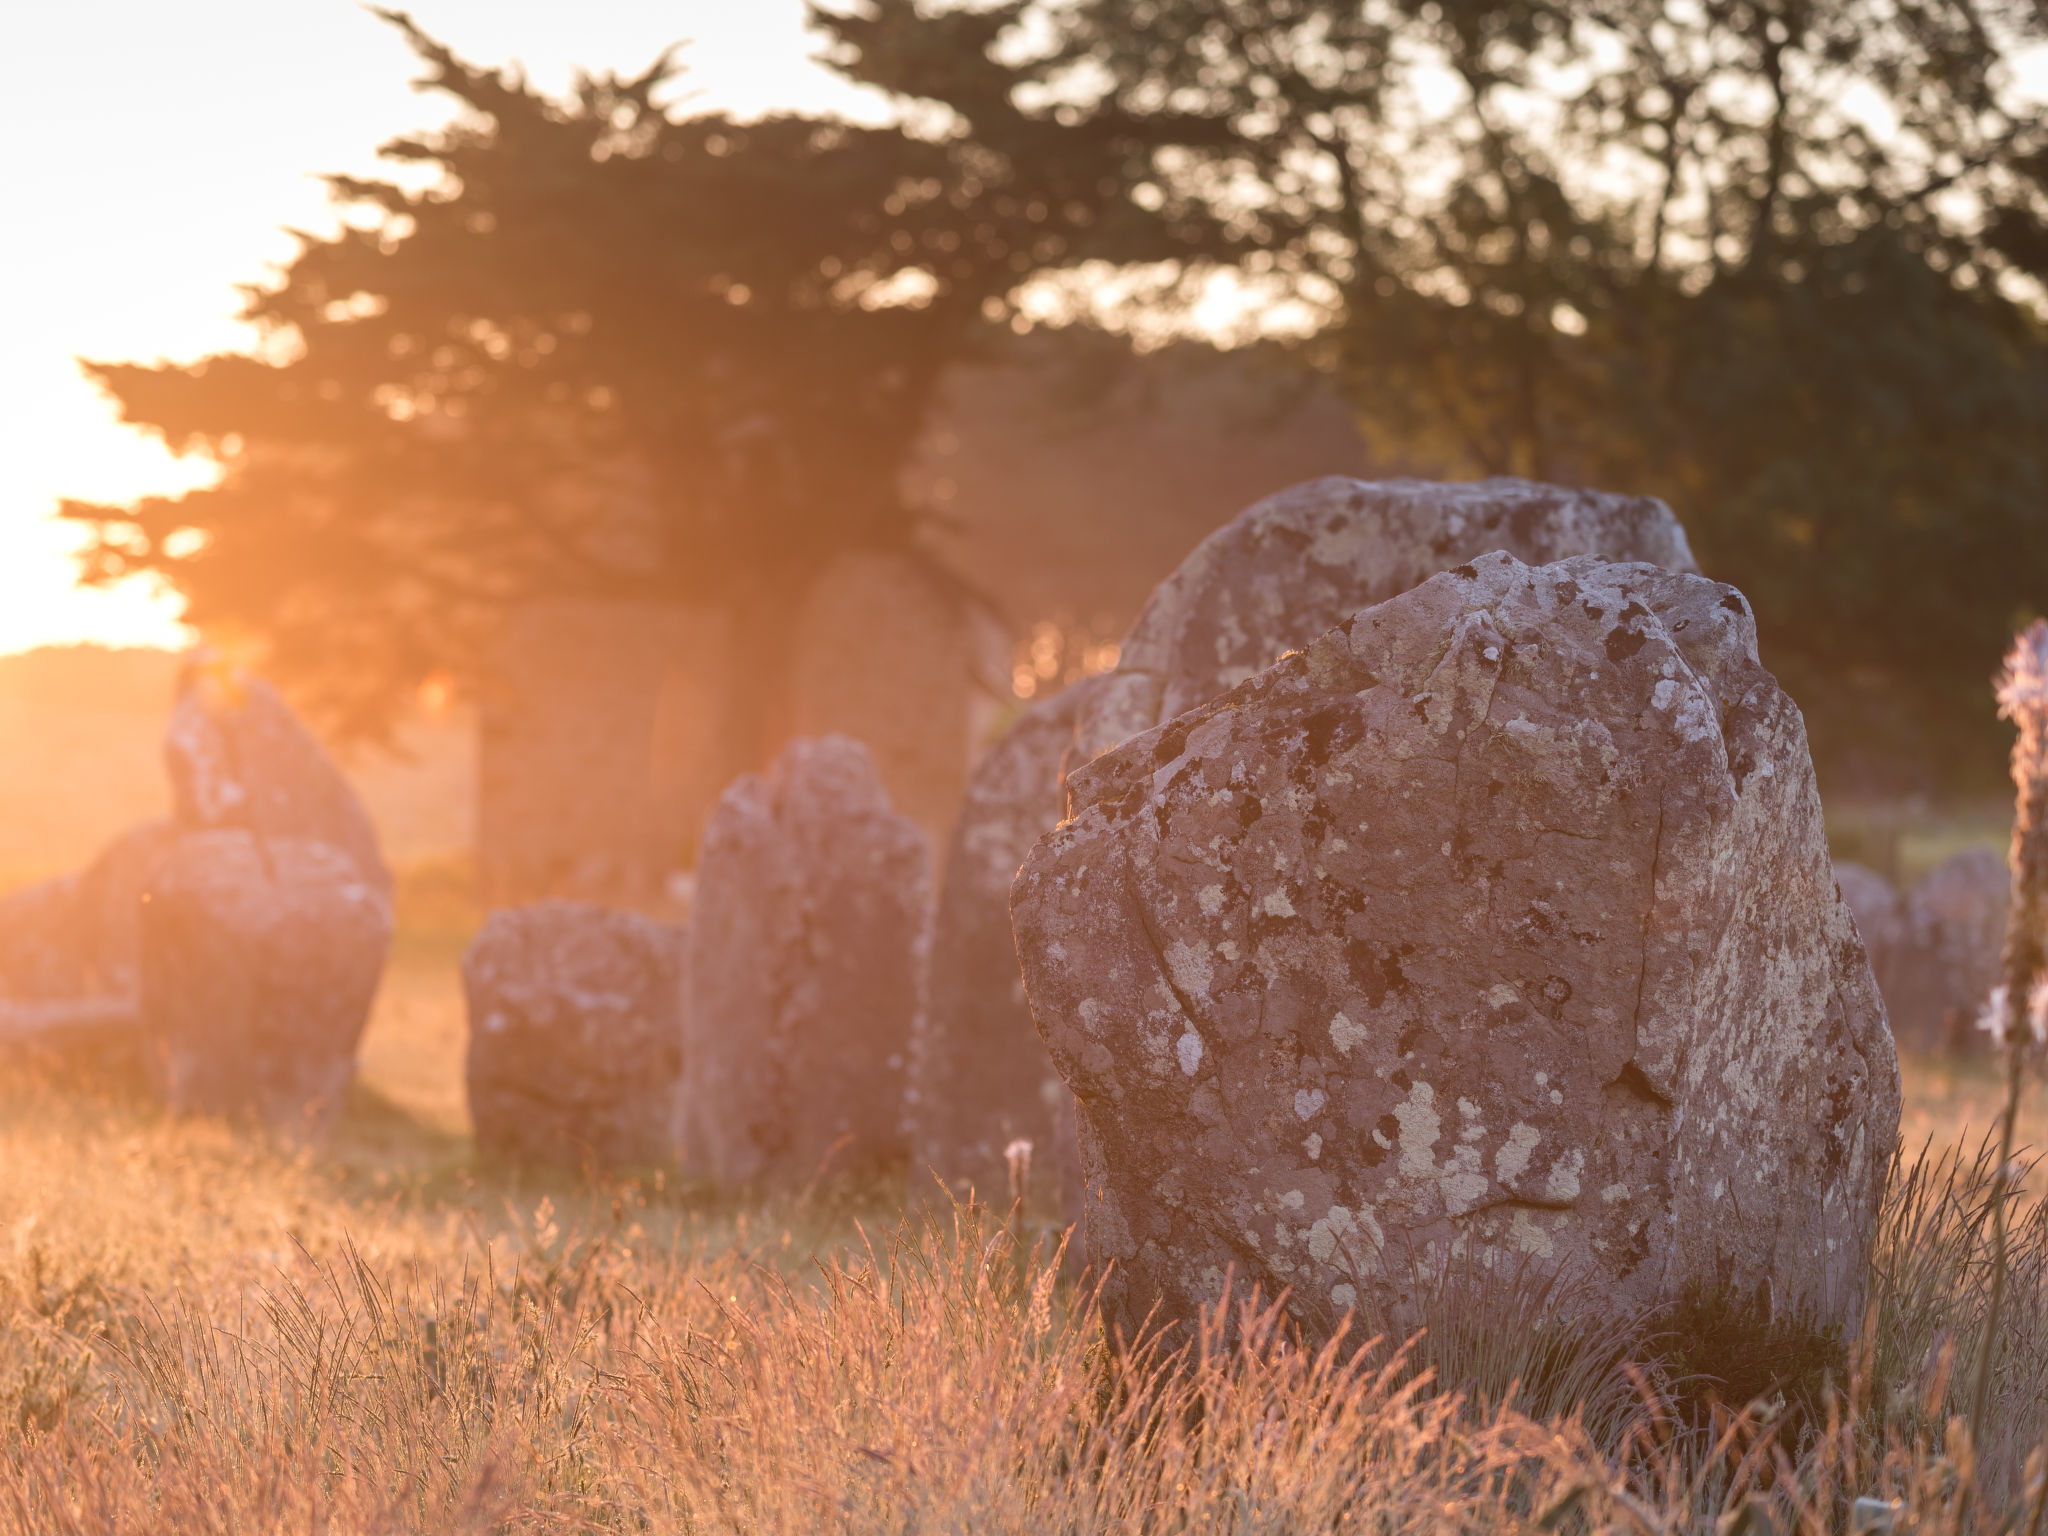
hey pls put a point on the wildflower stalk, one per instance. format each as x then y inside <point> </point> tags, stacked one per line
<point>2022,699</point>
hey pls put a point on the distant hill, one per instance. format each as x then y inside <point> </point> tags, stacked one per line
<point>81,731</point>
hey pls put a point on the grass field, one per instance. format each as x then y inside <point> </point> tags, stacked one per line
<point>210,1332</point>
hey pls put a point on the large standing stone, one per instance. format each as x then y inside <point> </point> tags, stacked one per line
<point>44,946</point>
<point>807,950</point>
<point>1944,960</point>
<point>1282,572</point>
<point>1497,924</point>
<point>575,1034</point>
<point>979,1077</point>
<point>238,757</point>
<point>260,957</point>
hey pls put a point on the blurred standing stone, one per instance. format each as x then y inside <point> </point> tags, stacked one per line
<point>807,953</point>
<point>45,949</point>
<point>260,957</point>
<point>238,757</point>
<point>979,1076</point>
<point>1945,960</point>
<point>1284,571</point>
<point>1879,914</point>
<point>1498,923</point>
<point>575,1034</point>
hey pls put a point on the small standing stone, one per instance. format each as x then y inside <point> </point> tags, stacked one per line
<point>1945,959</point>
<point>1498,923</point>
<point>260,957</point>
<point>575,1034</point>
<point>238,757</point>
<point>979,1076</point>
<point>807,952</point>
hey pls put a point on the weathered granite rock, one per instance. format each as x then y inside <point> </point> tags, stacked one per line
<point>260,958</point>
<point>1876,908</point>
<point>575,1034</point>
<point>238,757</point>
<point>1498,923</point>
<point>1943,961</point>
<point>1282,572</point>
<point>807,953</point>
<point>979,1077</point>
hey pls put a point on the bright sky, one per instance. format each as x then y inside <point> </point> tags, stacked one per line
<point>153,152</point>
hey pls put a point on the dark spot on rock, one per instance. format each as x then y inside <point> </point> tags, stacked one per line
<point>1734,604</point>
<point>1388,1126</point>
<point>1372,1154</point>
<point>1555,994</point>
<point>1622,644</point>
<point>1469,572</point>
<point>1376,969</point>
<point>1330,729</point>
<point>1630,1083</point>
<point>1170,742</point>
<point>1248,809</point>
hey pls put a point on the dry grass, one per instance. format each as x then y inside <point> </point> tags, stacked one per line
<point>207,1332</point>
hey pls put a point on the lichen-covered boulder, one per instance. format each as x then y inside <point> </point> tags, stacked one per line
<point>979,1078</point>
<point>1282,572</point>
<point>1498,925</point>
<point>238,757</point>
<point>260,958</point>
<point>575,1034</point>
<point>1944,959</point>
<point>807,957</point>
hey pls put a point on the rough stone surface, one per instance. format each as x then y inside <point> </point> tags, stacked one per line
<point>1943,962</point>
<point>1282,572</point>
<point>259,961</point>
<point>979,1077</point>
<point>1498,923</point>
<point>575,1034</point>
<point>807,952</point>
<point>238,757</point>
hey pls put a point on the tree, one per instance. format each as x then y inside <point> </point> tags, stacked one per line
<point>605,352</point>
<point>1779,261</point>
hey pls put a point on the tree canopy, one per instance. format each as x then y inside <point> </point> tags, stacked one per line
<point>1779,261</point>
<point>588,347</point>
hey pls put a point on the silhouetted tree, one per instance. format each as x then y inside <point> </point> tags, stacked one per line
<point>1780,261</point>
<point>604,351</point>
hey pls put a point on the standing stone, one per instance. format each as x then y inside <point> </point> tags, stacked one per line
<point>575,1034</point>
<point>1878,912</point>
<point>110,892</point>
<point>44,948</point>
<point>979,1077</point>
<point>1284,571</point>
<point>1497,924</point>
<point>1945,958</point>
<point>238,757</point>
<point>260,957</point>
<point>807,950</point>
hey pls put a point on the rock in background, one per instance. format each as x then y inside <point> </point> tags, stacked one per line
<point>979,1076</point>
<point>238,757</point>
<point>1876,907</point>
<point>575,1034</point>
<point>1498,924</point>
<point>1282,572</point>
<point>260,957</point>
<point>807,953</point>
<point>1943,959</point>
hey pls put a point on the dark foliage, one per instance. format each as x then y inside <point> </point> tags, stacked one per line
<point>1779,261</point>
<point>608,352</point>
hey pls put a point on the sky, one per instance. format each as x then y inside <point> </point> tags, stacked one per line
<point>153,154</point>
